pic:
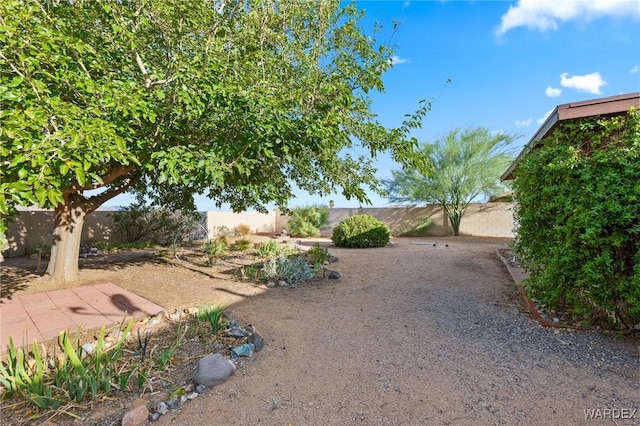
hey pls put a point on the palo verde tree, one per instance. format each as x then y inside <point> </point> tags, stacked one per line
<point>464,165</point>
<point>235,99</point>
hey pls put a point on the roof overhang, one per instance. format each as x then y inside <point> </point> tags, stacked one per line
<point>613,105</point>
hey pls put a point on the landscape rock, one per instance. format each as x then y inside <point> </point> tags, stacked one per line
<point>176,316</point>
<point>177,401</point>
<point>256,339</point>
<point>136,416</point>
<point>333,275</point>
<point>161,408</point>
<point>192,310</point>
<point>245,350</point>
<point>201,388</point>
<point>213,370</point>
<point>154,417</point>
<point>88,348</point>
<point>235,330</point>
<point>192,395</point>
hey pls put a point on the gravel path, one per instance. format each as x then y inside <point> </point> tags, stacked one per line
<point>414,335</point>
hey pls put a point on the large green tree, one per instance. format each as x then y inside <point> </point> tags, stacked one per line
<point>465,164</point>
<point>236,99</point>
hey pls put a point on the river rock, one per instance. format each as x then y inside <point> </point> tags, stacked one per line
<point>213,370</point>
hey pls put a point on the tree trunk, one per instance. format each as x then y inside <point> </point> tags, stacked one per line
<point>65,246</point>
<point>455,217</point>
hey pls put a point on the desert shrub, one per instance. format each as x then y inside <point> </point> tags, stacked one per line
<point>141,223</point>
<point>223,231</point>
<point>318,254</point>
<point>242,245</point>
<point>292,270</point>
<point>243,229</point>
<point>361,231</point>
<point>308,221</point>
<point>273,249</point>
<point>214,250</point>
<point>414,227</point>
<point>578,219</point>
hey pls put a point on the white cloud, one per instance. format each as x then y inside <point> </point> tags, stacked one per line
<point>544,117</point>
<point>553,92</point>
<point>635,70</point>
<point>524,123</point>
<point>544,15</point>
<point>591,83</point>
<point>396,60</point>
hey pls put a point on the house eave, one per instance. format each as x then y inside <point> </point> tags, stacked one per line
<point>612,105</point>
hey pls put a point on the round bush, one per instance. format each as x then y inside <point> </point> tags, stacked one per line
<point>361,231</point>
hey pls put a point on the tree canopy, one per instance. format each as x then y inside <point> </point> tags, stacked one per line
<point>465,164</point>
<point>236,99</point>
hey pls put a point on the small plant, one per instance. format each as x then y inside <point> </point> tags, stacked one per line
<point>308,221</point>
<point>213,316</point>
<point>163,356</point>
<point>250,271</point>
<point>243,229</point>
<point>293,271</point>
<point>214,250</point>
<point>222,231</point>
<point>361,231</point>
<point>318,254</point>
<point>273,249</point>
<point>242,245</point>
<point>74,376</point>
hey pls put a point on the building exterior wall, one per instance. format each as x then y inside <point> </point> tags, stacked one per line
<point>33,228</point>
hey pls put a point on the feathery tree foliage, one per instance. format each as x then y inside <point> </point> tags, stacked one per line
<point>464,165</point>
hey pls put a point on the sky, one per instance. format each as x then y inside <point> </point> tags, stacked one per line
<point>509,63</point>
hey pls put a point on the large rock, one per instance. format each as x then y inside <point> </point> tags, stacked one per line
<point>213,370</point>
<point>136,416</point>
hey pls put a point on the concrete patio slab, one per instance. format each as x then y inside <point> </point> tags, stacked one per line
<point>42,316</point>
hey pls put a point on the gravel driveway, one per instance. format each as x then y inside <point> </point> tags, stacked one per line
<point>419,335</point>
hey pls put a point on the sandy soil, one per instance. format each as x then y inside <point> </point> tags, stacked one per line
<point>410,335</point>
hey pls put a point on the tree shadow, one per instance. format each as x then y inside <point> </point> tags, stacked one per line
<point>16,275</point>
<point>19,273</point>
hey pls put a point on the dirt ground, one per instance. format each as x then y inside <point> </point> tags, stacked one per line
<point>409,335</point>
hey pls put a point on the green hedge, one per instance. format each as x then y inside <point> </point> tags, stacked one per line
<point>578,219</point>
<point>361,231</point>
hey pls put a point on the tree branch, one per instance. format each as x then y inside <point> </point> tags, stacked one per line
<point>98,200</point>
<point>111,177</point>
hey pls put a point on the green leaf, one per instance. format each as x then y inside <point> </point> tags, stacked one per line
<point>20,158</point>
<point>80,176</point>
<point>16,81</point>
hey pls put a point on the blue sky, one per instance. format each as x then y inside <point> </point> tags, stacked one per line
<point>510,63</point>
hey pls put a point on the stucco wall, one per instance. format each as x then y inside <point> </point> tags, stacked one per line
<point>32,227</point>
<point>258,222</point>
<point>481,220</point>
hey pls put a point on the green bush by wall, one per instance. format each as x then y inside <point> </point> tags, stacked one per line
<point>361,231</point>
